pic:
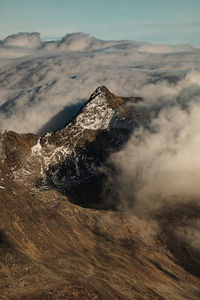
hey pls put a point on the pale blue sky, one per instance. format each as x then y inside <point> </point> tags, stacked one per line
<point>157,21</point>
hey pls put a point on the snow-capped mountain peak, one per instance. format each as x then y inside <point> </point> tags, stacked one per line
<point>97,113</point>
<point>74,154</point>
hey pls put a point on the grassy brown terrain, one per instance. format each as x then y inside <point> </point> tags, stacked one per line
<point>52,249</point>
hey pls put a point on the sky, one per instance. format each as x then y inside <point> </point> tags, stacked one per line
<point>156,21</point>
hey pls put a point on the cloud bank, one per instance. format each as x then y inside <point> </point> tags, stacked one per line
<point>23,40</point>
<point>40,80</point>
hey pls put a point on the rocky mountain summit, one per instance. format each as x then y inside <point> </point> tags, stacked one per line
<point>75,155</point>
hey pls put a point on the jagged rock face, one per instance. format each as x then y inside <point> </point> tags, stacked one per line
<point>76,153</point>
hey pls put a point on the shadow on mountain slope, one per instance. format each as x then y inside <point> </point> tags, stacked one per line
<point>181,216</point>
<point>85,176</point>
<point>61,119</point>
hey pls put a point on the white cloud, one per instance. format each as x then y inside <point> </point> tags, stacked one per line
<point>23,40</point>
<point>161,164</point>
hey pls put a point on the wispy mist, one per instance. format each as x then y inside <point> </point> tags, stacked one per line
<point>162,163</point>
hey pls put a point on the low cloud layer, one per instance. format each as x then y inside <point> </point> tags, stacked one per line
<point>40,80</point>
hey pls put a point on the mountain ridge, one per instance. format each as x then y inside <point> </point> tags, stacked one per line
<point>77,152</point>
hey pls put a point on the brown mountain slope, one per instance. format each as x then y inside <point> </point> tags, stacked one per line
<point>51,249</point>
